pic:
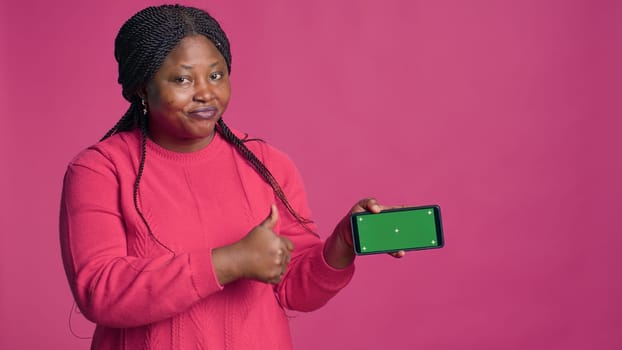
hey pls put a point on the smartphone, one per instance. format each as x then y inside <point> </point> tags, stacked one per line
<point>412,228</point>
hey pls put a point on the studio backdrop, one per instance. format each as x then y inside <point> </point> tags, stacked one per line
<point>505,113</point>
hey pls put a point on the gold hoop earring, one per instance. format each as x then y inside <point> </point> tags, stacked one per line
<point>142,101</point>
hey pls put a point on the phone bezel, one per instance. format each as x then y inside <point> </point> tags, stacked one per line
<point>437,219</point>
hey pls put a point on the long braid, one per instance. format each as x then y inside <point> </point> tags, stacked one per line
<point>261,169</point>
<point>127,122</point>
<point>139,175</point>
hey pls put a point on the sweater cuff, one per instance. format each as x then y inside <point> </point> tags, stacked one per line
<point>203,274</point>
<point>327,275</point>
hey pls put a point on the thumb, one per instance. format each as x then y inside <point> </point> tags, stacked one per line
<point>272,219</point>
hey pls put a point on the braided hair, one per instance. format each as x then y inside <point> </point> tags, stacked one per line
<point>141,47</point>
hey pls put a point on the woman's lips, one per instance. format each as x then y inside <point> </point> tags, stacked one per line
<point>204,113</point>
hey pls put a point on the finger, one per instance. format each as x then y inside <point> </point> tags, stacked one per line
<point>279,257</point>
<point>398,254</point>
<point>372,205</point>
<point>273,217</point>
<point>277,279</point>
<point>283,272</point>
<point>287,243</point>
<point>285,260</point>
<point>369,204</point>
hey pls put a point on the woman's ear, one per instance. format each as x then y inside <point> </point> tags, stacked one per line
<point>142,94</point>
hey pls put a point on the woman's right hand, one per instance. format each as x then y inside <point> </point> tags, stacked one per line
<point>261,255</point>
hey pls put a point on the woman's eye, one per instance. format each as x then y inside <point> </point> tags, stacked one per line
<point>182,80</point>
<point>216,76</point>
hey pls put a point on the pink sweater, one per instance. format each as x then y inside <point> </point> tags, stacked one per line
<point>142,296</point>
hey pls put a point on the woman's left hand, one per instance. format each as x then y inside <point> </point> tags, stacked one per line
<point>339,248</point>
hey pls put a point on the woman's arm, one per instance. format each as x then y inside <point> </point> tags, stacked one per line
<point>318,270</point>
<point>110,287</point>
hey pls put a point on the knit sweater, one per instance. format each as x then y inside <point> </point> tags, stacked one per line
<point>142,296</point>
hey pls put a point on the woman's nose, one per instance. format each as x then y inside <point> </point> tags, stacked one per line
<point>203,91</point>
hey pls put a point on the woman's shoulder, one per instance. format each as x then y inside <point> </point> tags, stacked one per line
<point>277,161</point>
<point>263,149</point>
<point>112,149</point>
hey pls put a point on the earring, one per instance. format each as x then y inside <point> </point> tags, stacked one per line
<point>144,106</point>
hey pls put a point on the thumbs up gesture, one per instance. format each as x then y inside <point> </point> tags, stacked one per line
<point>263,255</point>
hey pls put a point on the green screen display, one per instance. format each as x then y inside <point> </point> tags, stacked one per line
<point>401,229</point>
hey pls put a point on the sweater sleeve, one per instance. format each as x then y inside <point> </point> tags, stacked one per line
<point>310,282</point>
<point>111,288</point>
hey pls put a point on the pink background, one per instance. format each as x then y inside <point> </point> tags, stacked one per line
<point>506,113</point>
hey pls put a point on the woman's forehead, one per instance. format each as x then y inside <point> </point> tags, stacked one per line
<point>193,50</point>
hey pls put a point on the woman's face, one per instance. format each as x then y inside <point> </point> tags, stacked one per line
<point>187,95</point>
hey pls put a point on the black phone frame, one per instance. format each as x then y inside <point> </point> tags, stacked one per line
<point>437,220</point>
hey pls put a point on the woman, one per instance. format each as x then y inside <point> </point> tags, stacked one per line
<point>176,231</point>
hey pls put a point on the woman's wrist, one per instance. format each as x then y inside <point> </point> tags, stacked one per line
<point>338,251</point>
<point>226,265</point>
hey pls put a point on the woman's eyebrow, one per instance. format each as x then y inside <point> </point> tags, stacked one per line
<point>189,67</point>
